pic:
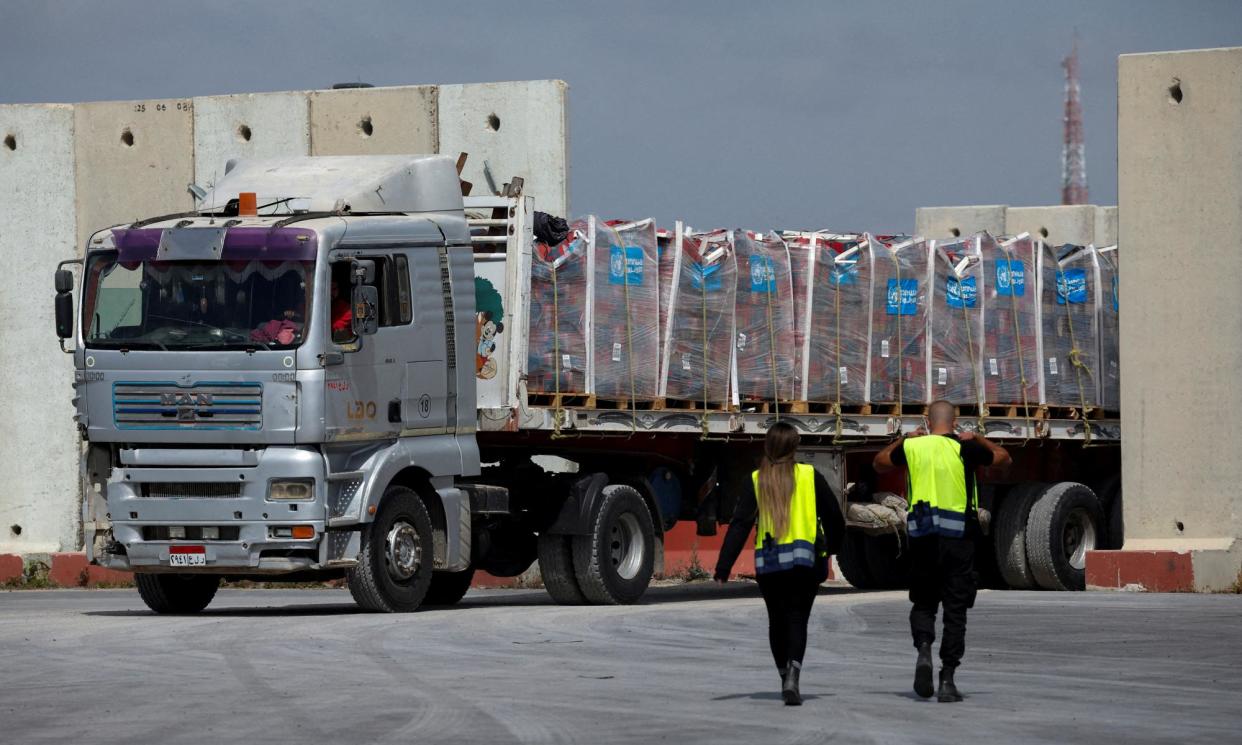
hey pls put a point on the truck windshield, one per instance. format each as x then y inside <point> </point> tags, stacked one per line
<point>196,305</point>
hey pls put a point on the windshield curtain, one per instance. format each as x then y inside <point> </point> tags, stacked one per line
<point>230,304</point>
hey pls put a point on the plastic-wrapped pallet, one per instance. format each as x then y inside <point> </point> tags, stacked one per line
<point>665,242</point>
<point>897,371</point>
<point>801,249</point>
<point>1069,282</point>
<point>1011,323</point>
<point>955,321</point>
<point>697,360</point>
<point>557,352</point>
<point>839,302</point>
<point>764,318</point>
<point>1110,349</point>
<point>625,312</point>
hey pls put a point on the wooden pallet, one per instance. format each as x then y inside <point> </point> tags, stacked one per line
<point>775,407</point>
<point>682,404</point>
<point>1071,412</point>
<point>622,404</point>
<point>903,410</point>
<point>826,407</point>
<point>560,400</point>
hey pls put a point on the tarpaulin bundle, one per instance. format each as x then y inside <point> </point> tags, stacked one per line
<point>625,311</point>
<point>557,351</point>
<point>699,337</point>
<point>764,318</point>
<point>1069,325</point>
<point>549,229</point>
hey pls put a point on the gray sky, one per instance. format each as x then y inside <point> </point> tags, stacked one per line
<point>842,115</point>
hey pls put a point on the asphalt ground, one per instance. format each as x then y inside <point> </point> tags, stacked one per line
<point>690,664</point>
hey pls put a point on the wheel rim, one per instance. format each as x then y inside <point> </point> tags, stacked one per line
<point>401,550</point>
<point>626,546</point>
<point>1078,538</point>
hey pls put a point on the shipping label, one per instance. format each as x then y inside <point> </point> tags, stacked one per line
<point>1072,286</point>
<point>762,275</point>
<point>903,301</point>
<point>625,267</point>
<point>1010,278</point>
<point>961,293</point>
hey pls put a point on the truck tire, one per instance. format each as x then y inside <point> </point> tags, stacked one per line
<point>447,588</point>
<point>852,560</point>
<point>1065,522</point>
<point>615,561</point>
<point>1009,535</point>
<point>177,593</point>
<point>888,561</point>
<point>556,566</point>
<point>395,565</point>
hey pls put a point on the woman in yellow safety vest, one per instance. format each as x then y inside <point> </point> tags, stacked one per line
<point>800,524</point>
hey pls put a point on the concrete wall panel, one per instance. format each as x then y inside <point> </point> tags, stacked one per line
<point>39,454</point>
<point>253,125</point>
<point>1056,225</point>
<point>1179,187</point>
<point>134,160</point>
<point>946,222</point>
<point>520,129</point>
<point>1105,226</point>
<point>374,121</point>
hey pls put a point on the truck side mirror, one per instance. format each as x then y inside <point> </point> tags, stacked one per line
<point>64,303</point>
<point>365,303</point>
<point>363,272</point>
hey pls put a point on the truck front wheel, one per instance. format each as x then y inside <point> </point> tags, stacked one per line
<point>397,558</point>
<point>614,562</point>
<point>177,593</point>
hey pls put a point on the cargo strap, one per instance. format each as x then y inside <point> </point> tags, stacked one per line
<point>1075,359</point>
<point>1017,330</point>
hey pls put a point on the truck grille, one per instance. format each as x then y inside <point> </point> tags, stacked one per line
<point>192,490</point>
<point>161,405</point>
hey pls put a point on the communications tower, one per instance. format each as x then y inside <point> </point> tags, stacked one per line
<point>1073,149</point>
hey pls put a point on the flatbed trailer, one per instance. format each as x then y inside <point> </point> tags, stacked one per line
<point>221,448</point>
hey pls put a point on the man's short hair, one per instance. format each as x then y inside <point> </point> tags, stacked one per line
<point>941,412</point>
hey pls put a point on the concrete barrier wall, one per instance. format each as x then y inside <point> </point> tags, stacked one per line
<point>374,121</point>
<point>1105,226</point>
<point>39,450</point>
<point>519,129</point>
<point>133,159</point>
<point>948,222</point>
<point>1056,225</point>
<point>1179,190</point>
<point>253,125</point>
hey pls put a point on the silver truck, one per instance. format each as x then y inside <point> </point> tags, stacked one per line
<point>319,373</point>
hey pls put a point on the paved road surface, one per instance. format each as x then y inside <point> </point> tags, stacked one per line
<point>689,665</point>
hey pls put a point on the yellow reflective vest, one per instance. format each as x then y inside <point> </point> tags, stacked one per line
<point>797,546</point>
<point>938,500</point>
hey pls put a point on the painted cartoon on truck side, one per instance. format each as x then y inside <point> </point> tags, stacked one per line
<point>489,323</point>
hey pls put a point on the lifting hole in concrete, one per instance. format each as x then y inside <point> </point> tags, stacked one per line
<point>17,529</point>
<point>955,232</point>
<point>1175,92</point>
<point>493,122</point>
<point>244,133</point>
<point>1180,526</point>
<point>1043,232</point>
<point>365,126</point>
<point>10,142</point>
<point>127,137</point>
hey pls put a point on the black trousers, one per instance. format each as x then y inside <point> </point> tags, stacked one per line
<point>942,574</point>
<point>789,595</point>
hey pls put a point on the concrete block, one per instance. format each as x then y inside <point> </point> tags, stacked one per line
<point>12,568</point>
<point>950,222</point>
<point>39,454</point>
<point>1179,129</point>
<point>1105,226</point>
<point>1148,571</point>
<point>520,129</point>
<point>134,160</point>
<point>252,125</point>
<point>1058,224</point>
<point>374,121</point>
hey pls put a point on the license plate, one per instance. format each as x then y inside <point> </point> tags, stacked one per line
<point>187,556</point>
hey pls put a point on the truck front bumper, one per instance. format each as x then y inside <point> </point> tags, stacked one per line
<point>154,509</point>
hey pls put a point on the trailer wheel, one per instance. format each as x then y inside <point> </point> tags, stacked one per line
<point>556,566</point>
<point>447,588</point>
<point>852,559</point>
<point>1009,535</point>
<point>1065,523</point>
<point>888,562</point>
<point>395,565</point>
<point>177,593</point>
<point>615,561</point>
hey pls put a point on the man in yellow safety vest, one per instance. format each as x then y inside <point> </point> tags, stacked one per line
<point>942,526</point>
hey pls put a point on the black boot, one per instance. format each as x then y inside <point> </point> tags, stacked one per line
<point>923,671</point>
<point>789,686</point>
<point>780,670</point>
<point>948,692</point>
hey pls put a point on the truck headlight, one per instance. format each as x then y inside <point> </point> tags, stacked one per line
<point>289,490</point>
